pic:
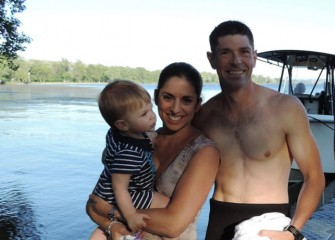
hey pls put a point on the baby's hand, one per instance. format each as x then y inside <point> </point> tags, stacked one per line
<point>136,221</point>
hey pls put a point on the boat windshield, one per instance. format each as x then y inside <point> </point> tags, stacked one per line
<point>304,80</point>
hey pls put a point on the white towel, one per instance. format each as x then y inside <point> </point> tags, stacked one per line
<point>249,229</point>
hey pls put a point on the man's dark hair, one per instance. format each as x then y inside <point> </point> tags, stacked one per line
<point>230,28</point>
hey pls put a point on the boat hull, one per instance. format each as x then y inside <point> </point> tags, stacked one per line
<point>322,130</point>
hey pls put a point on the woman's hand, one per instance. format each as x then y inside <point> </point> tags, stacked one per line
<point>98,210</point>
<point>99,206</point>
<point>118,230</point>
<point>136,221</point>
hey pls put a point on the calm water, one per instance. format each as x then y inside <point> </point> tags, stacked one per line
<point>51,141</point>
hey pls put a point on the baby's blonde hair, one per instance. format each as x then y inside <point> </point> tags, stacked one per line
<point>119,97</point>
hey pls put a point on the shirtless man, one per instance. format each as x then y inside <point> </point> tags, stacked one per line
<point>258,132</point>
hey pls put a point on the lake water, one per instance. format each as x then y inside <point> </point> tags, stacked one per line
<point>51,139</point>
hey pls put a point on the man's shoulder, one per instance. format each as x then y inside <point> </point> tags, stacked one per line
<point>205,110</point>
<point>273,96</point>
<point>211,103</point>
<point>286,99</point>
<point>284,106</point>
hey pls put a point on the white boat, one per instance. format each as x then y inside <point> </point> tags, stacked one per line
<point>298,69</point>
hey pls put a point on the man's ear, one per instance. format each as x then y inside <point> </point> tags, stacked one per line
<point>255,57</point>
<point>198,105</point>
<point>211,59</point>
<point>121,125</point>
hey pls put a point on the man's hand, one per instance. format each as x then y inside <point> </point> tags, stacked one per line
<point>276,235</point>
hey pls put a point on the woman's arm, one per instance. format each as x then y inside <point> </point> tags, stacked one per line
<point>116,229</point>
<point>189,195</point>
<point>100,220</point>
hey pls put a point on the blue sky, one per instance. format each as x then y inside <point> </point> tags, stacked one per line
<point>154,33</point>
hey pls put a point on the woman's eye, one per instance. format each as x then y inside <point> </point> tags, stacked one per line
<point>188,100</point>
<point>167,97</point>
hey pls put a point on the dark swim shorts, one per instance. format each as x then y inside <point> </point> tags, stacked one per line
<point>224,216</point>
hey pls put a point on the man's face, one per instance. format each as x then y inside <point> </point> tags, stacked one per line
<point>234,60</point>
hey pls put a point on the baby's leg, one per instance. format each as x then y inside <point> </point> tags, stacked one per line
<point>159,200</point>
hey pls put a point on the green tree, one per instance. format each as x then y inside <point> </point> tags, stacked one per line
<point>65,71</point>
<point>41,71</point>
<point>11,41</point>
<point>62,71</point>
<point>208,77</point>
<point>96,73</point>
<point>5,73</point>
<point>22,73</point>
<point>79,72</point>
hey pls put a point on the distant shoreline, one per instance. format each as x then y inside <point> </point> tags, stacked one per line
<point>53,89</point>
<point>79,83</point>
<point>50,83</point>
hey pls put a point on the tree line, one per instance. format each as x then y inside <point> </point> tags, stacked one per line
<point>38,71</point>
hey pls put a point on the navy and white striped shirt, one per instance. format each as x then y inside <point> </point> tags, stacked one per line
<point>126,155</point>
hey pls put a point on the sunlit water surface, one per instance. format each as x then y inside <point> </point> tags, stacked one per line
<point>51,138</point>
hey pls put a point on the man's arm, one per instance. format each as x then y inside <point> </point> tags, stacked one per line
<point>306,154</point>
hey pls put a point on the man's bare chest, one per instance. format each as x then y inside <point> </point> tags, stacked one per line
<point>248,136</point>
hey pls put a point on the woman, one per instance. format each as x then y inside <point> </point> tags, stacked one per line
<point>187,161</point>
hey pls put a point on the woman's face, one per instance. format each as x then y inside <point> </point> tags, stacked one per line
<point>177,103</point>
